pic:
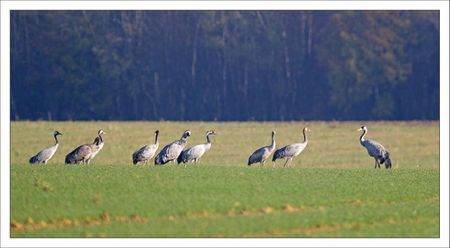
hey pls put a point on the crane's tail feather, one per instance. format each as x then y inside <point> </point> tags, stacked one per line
<point>276,155</point>
<point>388,163</point>
<point>181,157</point>
<point>386,160</point>
<point>159,160</point>
<point>33,160</point>
<point>250,161</point>
<point>134,157</point>
<point>69,159</point>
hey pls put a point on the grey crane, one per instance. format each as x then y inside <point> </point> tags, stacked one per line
<point>83,153</point>
<point>375,150</point>
<point>261,155</point>
<point>146,152</point>
<point>171,151</point>
<point>292,150</point>
<point>98,145</point>
<point>45,155</point>
<point>196,152</point>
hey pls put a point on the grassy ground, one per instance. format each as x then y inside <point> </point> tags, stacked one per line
<point>331,191</point>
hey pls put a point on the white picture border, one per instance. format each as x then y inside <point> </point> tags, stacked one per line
<point>6,241</point>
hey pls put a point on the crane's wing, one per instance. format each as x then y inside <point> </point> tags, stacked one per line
<point>82,152</point>
<point>46,153</point>
<point>374,148</point>
<point>294,149</point>
<point>172,150</point>
<point>258,155</point>
<point>195,152</point>
<point>146,152</point>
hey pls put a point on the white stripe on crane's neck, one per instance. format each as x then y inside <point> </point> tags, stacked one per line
<point>56,139</point>
<point>363,134</point>
<point>273,140</point>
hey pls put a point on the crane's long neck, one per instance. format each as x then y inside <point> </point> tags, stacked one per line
<point>305,136</point>
<point>156,138</point>
<point>208,141</point>
<point>100,138</point>
<point>361,139</point>
<point>272,146</point>
<point>56,139</point>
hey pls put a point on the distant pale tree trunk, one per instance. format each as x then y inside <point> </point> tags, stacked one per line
<point>310,33</point>
<point>194,54</point>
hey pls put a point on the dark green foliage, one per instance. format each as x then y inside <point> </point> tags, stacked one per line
<point>224,65</point>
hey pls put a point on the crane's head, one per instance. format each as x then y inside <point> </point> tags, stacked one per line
<point>186,133</point>
<point>363,128</point>
<point>273,133</point>
<point>101,132</point>
<point>156,131</point>
<point>305,129</point>
<point>210,132</point>
<point>56,133</point>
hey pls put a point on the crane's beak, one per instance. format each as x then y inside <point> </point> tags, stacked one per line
<point>359,129</point>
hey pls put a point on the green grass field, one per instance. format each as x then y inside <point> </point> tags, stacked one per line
<point>332,189</point>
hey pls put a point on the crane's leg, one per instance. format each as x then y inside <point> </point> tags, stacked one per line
<point>377,164</point>
<point>287,161</point>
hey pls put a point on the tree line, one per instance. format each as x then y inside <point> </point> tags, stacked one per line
<point>224,65</point>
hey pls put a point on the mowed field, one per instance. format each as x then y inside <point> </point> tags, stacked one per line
<point>331,189</point>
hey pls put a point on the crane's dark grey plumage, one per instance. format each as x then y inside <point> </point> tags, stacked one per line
<point>171,151</point>
<point>83,153</point>
<point>45,155</point>
<point>146,152</point>
<point>375,150</point>
<point>196,152</point>
<point>293,150</point>
<point>261,155</point>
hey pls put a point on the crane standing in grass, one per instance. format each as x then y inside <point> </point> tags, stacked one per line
<point>46,154</point>
<point>260,155</point>
<point>83,153</point>
<point>171,151</point>
<point>146,152</point>
<point>196,152</point>
<point>293,150</point>
<point>375,150</point>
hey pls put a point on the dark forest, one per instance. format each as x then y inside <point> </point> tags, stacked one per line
<point>225,65</point>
